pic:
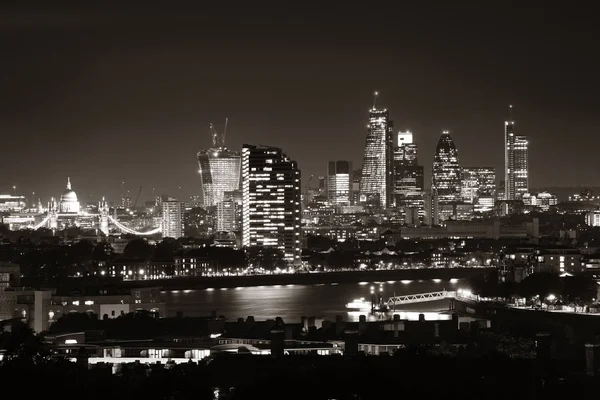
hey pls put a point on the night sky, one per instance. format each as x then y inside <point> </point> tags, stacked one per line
<point>105,95</point>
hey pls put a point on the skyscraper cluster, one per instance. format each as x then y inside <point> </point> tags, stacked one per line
<point>269,197</point>
<point>390,183</point>
<point>392,177</point>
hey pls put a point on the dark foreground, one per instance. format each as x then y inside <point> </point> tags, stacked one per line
<point>239,376</point>
<point>311,278</point>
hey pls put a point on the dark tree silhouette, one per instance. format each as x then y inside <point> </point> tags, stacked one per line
<point>265,257</point>
<point>166,250</point>
<point>138,249</point>
<point>579,289</point>
<point>541,284</point>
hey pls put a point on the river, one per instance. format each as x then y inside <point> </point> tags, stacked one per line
<point>292,302</point>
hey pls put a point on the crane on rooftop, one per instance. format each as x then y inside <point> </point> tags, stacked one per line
<point>218,138</point>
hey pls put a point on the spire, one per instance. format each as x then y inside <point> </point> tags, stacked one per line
<point>68,183</point>
<point>375,95</point>
<point>510,113</point>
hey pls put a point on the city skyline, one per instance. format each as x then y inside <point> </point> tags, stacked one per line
<point>100,118</point>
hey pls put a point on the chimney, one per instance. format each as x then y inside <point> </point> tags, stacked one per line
<point>362,323</point>
<point>339,325</point>
<point>350,343</point>
<point>455,320</point>
<point>277,342</point>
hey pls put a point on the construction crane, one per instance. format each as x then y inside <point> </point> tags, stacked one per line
<point>137,197</point>
<point>218,138</point>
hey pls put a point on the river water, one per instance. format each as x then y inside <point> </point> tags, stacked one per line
<point>292,302</point>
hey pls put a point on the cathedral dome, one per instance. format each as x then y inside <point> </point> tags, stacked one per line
<point>68,200</point>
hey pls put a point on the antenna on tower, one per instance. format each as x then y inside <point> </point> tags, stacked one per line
<point>375,94</point>
<point>510,112</point>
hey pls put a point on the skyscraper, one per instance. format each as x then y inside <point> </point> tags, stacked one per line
<point>271,192</point>
<point>376,177</point>
<point>339,182</point>
<point>478,181</point>
<point>479,187</point>
<point>408,180</point>
<point>172,218</point>
<point>516,166</point>
<point>446,172</point>
<point>219,169</point>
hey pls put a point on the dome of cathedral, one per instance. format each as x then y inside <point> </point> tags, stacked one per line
<point>68,200</point>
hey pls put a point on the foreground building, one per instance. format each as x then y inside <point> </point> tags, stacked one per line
<point>271,193</point>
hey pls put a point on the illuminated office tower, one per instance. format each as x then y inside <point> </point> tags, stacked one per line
<point>479,188</point>
<point>271,192</point>
<point>446,172</point>
<point>339,183</point>
<point>172,218</point>
<point>516,166</point>
<point>408,176</point>
<point>376,178</point>
<point>521,166</point>
<point>219,169</point>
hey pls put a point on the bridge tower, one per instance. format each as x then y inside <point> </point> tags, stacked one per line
<point>104,210</point>
<point>53,214</point>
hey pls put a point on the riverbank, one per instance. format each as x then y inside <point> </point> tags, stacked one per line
<point>191,283</point>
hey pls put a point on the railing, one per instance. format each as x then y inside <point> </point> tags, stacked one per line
<point>431,296</point>
<point>421,297</point>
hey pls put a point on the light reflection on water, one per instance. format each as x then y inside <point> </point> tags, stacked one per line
<point>291,302</point>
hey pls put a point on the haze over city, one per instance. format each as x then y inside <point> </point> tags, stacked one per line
<point>111,95</point>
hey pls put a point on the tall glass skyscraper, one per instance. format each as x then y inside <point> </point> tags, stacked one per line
<point>339,183</point>
<point>516,165</point>
<point>219,170</point>
<point>376,178</point>
<point>271,192</point>
<point>446,173</point>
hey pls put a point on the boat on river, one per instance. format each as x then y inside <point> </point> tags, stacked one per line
<point>359,304</point>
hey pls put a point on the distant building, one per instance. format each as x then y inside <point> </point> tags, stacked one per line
<point>219,169</point>
<point>543,200</point>
<point>446,172</point>
<point>408,176</point>
<point>479,188</point>
<point>226,216</point>
<point>377,167</point>
<point>12,203</point>
<point>172,218</point>
<point>339,183</point>
<point>516,163</point>
<point>271,192</point>
<point>593,218</point>
<point>432,209</point>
